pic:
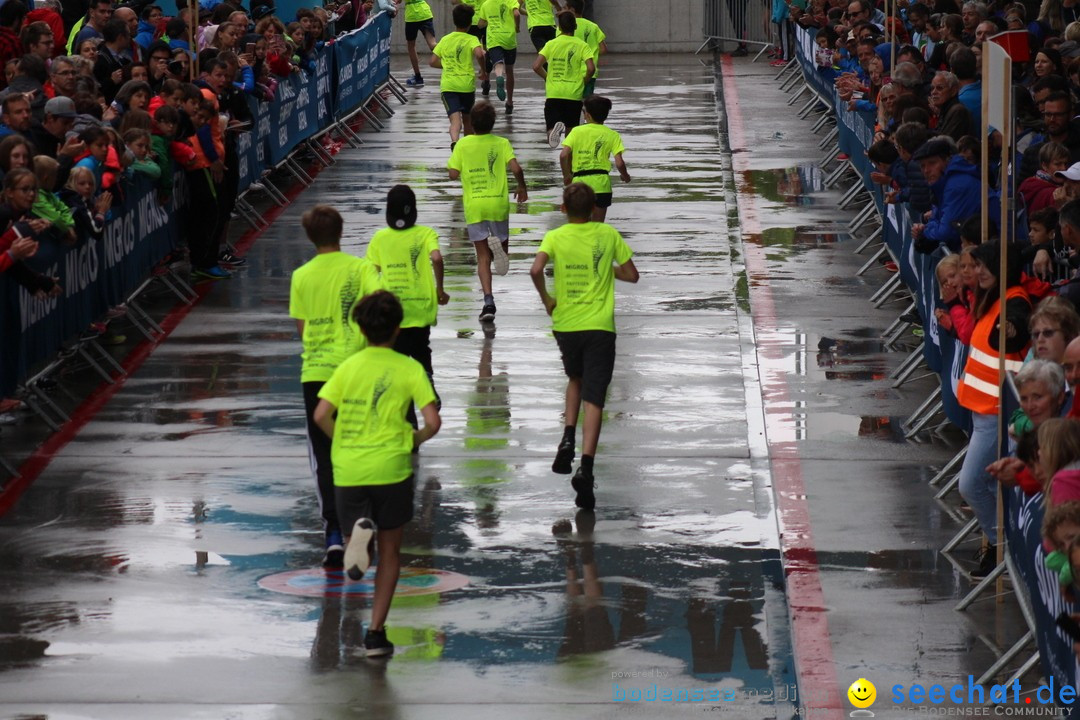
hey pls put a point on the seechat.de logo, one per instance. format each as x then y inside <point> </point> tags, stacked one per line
<point>862,695</point>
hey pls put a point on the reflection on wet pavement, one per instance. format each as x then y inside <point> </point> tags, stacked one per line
<point>133,561</point>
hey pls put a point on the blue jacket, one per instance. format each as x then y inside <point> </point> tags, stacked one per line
<point>971,97</point>
<point>913,188</point>
<point>145,34</point>
<point>957,197</point>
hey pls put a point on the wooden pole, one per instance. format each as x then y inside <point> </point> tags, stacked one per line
<point>193,27</point>
<point>1003,231</point>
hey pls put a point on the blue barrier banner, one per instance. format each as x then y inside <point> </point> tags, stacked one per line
<point>362,63</point>
<point>251,150</point>
<point>95,275</point>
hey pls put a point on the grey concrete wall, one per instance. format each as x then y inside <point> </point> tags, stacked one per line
<point>632,26</point>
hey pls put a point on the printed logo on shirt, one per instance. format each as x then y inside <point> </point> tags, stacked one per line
<point>414,256</point>
<point>492,158</point>
<point>597,147</point>
<point>597,254</point>
<point>381,386</point>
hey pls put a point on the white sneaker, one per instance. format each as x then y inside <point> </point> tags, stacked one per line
<point>359,550</point>
<point>502,260</point>
<point>556,134</point>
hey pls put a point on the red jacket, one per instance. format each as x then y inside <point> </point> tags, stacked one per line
<point>55,23</point>
<point>1037,193</point>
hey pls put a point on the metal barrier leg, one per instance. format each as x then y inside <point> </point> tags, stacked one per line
<point>383,104</point>
<point>898,322</point>
<point>347,132</point>
<point>842,169</point>
<point>805,110</point>
<point>40,412</point>
<point>795,98</point>
<point>869,213</point>
<point>923,407</point>
<point>821,122</point>
<point>397,89</point>
<point>85,355</point>
<point>912,359</point>
<point>906,376</point>
<point>828,139</point>
<point>891,285</point>
<point>869,240</point>
<point>978,590</point>
<point>852,195</point>
<point>870,263</point>
<point>9,468</point>
<point>948,487</point>
<point>109,359</point>
<point>952,465</point>
<point>921,425</point>
<point>373,119</point>
<point>321,154</point>
<point>48,401</point>
<point>1027,667</point>
<point>972,526</point>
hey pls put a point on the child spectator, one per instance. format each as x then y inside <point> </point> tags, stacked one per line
<point>961,305</point>
<point>372,451</point>
<point>1038,190</point>
<point>410,266</point>
<point>587,258</point>
<point>1059,456</point>
<point>97,151</point>
<point>47,205</point>
<point>947,273</point>
<point>1047,253</point>
<point>323,294</point>
<point>587,152</point>
<point>167,150</point>
<point>138,142</point>
<point>88,212</point>
<point>481,161</point>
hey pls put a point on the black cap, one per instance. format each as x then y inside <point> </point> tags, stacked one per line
<point>401,207</point>
<point>936,147</point>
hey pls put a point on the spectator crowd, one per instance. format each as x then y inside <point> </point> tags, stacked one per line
<point>927,151</point>
<point>94,93</point>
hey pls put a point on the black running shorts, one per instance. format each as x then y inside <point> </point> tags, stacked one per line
<point>389,506</point>
<point>589,355</point>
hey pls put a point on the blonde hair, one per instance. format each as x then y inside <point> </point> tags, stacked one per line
<point>1059,444</point>
<point>949,263</point>
<point>78,172</point>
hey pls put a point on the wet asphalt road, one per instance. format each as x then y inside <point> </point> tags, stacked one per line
<point>132,564</point>
<point>136,568</point>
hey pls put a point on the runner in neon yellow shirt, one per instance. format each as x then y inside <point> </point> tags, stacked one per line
<point>501,20</point>
<point>410,265</point>
<point>593,36</point>
<point>481,161</point>
<point>566,64</point>
<point>455,54</point>
<point>322,294</point>
<point>587,257</point>
<point>418,20</point>
<point>480,34</point>
<point>362,407</point>
<point>587,152</point>
<point>541,20</point>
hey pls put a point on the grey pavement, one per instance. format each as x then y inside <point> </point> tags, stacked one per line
<point>135,568</point>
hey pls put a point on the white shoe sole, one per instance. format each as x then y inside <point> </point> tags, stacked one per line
<point>555,135</point>
<point>357,557</point>
<point>499,256</point>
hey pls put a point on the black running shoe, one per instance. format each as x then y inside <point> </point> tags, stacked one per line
<point>583,484</point>
<point>485,88</point>
<point>487,314</point>
<point>334,559</point>
<point>376,644</point>
<point>227,258</point>
<point>987,559</point>
<point>564,458</point>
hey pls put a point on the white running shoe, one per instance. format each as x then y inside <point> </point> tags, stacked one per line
<point>502,260</point>
<point>556,134</point>
<point>359,550</point>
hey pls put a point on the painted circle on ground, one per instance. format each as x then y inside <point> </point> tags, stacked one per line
<point>316,582</point>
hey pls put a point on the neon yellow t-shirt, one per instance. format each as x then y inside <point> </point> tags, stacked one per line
<point>540,13</point>
<point>404,261</point>
<point>582,255</point>
<point>456,52</point>
<point>323,292</point>
<point>499,15</point>
<point>373,441</point>
<point>593,145</point>
<point>482,161</point>
<point>591,34</point>
<point>417,11</point>
<point>566,57</point>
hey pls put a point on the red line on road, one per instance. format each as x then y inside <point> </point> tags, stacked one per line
<point>44,454</point>
<point>815,666</point>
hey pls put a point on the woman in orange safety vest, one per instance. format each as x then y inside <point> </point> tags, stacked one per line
<point>979,390</point>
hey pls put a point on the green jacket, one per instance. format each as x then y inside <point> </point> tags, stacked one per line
<point>51,208</point>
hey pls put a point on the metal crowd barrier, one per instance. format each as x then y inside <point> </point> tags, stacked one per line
<point>744,22</point>
<point>1034,587</point>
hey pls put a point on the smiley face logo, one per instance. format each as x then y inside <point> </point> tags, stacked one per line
<point>862,693</point>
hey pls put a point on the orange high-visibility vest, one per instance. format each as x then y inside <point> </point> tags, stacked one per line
<point>978,390</point>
